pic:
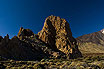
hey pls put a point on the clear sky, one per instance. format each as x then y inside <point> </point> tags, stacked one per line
<point>84,16</point>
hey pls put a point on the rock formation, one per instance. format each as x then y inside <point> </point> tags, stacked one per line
<point>57,34</point>
<point>26,47</point>
<point>1,38</point>
<point>53,41</point>
<point>24,32</point>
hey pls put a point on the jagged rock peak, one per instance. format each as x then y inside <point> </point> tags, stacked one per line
<point>102,31</point>
<point>6,38</point>
<point>1,38</point>
<point>57,34</point>
<point>24,32</point>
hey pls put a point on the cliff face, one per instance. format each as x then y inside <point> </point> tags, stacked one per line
<point>57,34</point>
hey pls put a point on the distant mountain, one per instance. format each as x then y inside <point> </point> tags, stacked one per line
<point>53,41</point>
<point>92,43</point>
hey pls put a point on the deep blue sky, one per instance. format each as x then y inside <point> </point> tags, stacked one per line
<point>84,16</point>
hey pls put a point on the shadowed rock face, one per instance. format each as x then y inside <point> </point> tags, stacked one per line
<point>53,41</point>
<point>56,32</point>
<point>25,32</point>
<point>1,38</point>
<point>26,47</point>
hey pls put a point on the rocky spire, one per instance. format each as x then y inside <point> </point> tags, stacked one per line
<point>1,38</point>
<point>6,38</point>
<point>24,32</point>
<point>57,34</point>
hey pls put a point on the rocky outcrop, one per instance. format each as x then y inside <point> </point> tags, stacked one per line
<point>53,41</point>
<point>57,34</point>
<point>1,38</point>
<point>24,32</point>
<point>27,48</point>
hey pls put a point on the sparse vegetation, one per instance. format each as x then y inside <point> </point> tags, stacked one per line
<point>86,62</point>
<point>89,47</point>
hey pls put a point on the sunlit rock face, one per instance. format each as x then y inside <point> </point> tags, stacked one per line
<point>102,31</point>
<point>57,33</point>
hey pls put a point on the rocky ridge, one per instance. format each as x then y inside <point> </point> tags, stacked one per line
<point>96,37</point>
<point>53,41</point>
<point>26,48</point>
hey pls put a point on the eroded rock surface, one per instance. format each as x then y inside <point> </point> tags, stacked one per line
<point>26,47</point>
<point>57,33</point>
<point>53,41</point>
<point>24,32</point>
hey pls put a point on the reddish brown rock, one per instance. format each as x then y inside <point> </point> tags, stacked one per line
<point>56,42</point>
<point>56,32</point>
<point>24,32</point>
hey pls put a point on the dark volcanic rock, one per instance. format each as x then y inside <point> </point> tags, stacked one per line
<point>29,48</point>
<point>25,32</point>
<point>53,41</point>
<point>2,66</point>
<point>57,34</point>
<point>21,50</point>
<point>1,38</point>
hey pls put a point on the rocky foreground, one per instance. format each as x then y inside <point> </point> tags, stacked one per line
<point>87,62</point>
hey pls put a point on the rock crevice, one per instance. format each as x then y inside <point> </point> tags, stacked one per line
<point>57,33</point>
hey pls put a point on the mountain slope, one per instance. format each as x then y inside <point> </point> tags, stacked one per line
<point>92,43</point>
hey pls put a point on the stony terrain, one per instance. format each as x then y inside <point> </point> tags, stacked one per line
<point>87,62</point>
